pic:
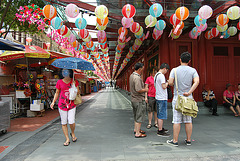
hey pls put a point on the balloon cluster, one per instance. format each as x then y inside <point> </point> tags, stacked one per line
<point>176,20</point>
<point>32,14</point>
<point>222,29</point>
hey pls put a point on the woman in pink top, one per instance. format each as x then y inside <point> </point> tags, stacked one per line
<point>150,98</point>
<point>66,107</point>
<point>229,100</point>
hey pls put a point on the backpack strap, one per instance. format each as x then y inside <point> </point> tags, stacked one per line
<point>156,79</point>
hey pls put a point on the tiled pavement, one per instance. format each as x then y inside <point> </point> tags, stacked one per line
<point>104,127</point>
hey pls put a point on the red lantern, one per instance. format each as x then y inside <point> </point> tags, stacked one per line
<point>122,30</point>
<point>215,32</point>
<point>174,20</point>
<point>63,30</point>
<point>128,11</point>
<point>83,33</point>
<point>208,35</point>
<point>104,46</point>
<point>135,27</point>
<point>156,37</point>
<point>238,25</point>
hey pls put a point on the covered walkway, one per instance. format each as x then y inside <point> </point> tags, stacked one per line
<point>104,127</point>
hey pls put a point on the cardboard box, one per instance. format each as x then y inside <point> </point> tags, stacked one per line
<point>20,94</point>
<point>36,102</point>
<point>36,107</point>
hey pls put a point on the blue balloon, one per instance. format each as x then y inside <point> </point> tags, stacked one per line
<point>195,31</point>
<point>160,25</point>
<point>139,36</point>
<point>80,47</point>
<point>80,23</point>
<point>225,34</point>
<point>56,23</point>
<point>156,10</point>
<point>199,21</point>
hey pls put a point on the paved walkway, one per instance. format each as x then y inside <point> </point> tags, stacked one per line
<point>104,127</point>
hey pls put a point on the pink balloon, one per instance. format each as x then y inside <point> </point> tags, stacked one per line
<point>72,38</point>
<point>101,35</point>
<point>204,27</point>
<point>157,32</point>
<point>127,22</point>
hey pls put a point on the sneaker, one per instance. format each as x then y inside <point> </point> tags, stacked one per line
<point>187,142</point>
<point>172,143</point>
<point>165,130</point>
<point>215,114</point>
<point>163,133</point>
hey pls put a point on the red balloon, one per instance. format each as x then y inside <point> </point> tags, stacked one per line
<point>83,33</point>
<point>128,11</point>
<point>174,20</point>
<point>135,27</point>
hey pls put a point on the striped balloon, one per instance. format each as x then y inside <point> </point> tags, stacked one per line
<point>222,28</point>
<point>140,32</point>
<point>214,32</point>
<point>182,13</point>
<point>208,35</point>
<point>232,31</point>
<point>150,21</point>
<point>160,25</point>
<point>135,27</point>
<point>49,11</point>
<point>128,11</point>
<point>156,10</point>
<point>83,33</point>
<point>63,30</point>
<point>56,23</point>
<point>102,22</point>
<point>233,12</point>
<point>222,19</point>
<point>123,31</point>
<point>80,23</point>
<point>72,10</point>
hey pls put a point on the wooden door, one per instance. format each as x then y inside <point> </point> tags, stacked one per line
<point>183,47</point>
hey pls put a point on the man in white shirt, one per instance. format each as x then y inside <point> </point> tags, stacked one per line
<point>161,98</point>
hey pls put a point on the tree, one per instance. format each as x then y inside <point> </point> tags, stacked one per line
<point>8,9</point>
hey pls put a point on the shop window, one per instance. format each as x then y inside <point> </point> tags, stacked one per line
<point>236,51</point>
<point>182,49</point>
<point>220,51</point>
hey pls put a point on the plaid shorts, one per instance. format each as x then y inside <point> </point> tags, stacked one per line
<point>178,117</point>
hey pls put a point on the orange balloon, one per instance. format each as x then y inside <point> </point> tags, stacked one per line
<point>182,13</point>
<point>89,44</point>
<point>124,30</point>
<point>222,20</point>
<point>49,11</point>
<point>102,22</point>
<point>75,43</point>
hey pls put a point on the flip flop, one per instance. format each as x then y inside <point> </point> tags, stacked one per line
<point>149,126</point>
<point>236,115</point>
<point>156,125</point>
<point>143,132</point>
<point>141,136</point>
<point>66,143</point>
<point>75,139</point>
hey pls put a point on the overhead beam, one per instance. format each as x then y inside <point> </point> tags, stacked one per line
<point>91,27</point>
<point>223,7</point>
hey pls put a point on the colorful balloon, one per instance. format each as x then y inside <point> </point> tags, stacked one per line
<point>101,11</point>
<point>160,25</point>
<point>174,20</point>
<point>63,30</point>
<point>182,13</point>
<point>205,12</point>
<point>101,27</point>
<point>232,31</point>
<point>208,35</point>
<point>102,22</point>
<point>123,31</point>
<point>128,11</point>
<point>101,34</point>
<point>135,27</point>
<point>222,19</point>
<point>156,10</point>
<point>140,32</point>
<point>199,21</point>
<point>49,11</point>
<point>238,25</point>
<point>222,28</point>
<point>83,33</point>
<point>215,32</point>
<point>233,12</point>
<point>150,21</point>
<point>127,22</point>
<point>80,23</point>
<point>56,23</point>
<point>72,10</point>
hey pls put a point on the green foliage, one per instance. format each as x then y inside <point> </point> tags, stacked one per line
<point>10,21</point>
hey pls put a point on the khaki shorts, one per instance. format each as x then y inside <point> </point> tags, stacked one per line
<point>151,105</point>
<point>139,111</point>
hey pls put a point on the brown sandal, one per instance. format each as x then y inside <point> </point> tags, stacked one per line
<point>141,136</point>
<point>142,132</point>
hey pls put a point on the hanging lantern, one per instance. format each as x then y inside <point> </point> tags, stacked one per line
<point>67,34</point>
<point>83,33</point>
<point>128,11</point>
<point>72,10</point>
<point>232,31</point>
<point>174,36</point>
<point>140,32</point>
<point>101,11</point>
<point>56,23</point>
<point>150,21</point>
<point>225,35</point>
<point>205,12</point>
<point>222,28</point>
<point>174,20</point>
<point>102,22</point>
<point>139,36</point>
<point>104,46</point>
<point>208,35</point>
<point>199,21</point>
<point>127,22</point>
<point>156,37</point>
<point>63,30</point>
<point>101,35</point>
<point>182,13</point>
<point>75,44</point>
<point>123,31</point>
<point>233,13</point>
<point>80,23</point>
<point>101,27</point>
<point>156,10</point>
<point>160,25</point>
<point>191,35</point>
<point>102,40</point>
<point>215,32</point>
<point>72,38</point>
<point>135,27</point>
<point>138,42</point>
<point>49,11</point>
<point>89,44</point>
<point>238,25</point>
<point>178,33</point>
<point>222,20</point>
<point>204,27</point>
<point>157,32</point>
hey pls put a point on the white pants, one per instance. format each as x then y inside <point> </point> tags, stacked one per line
<point>67,116</point>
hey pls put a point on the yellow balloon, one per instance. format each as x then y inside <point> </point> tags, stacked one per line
<point>233,12</point>
<point>101,11</point>
<point>222,28</point>
<point>140,32</point>
<point>138,42</point>
<point>101,28</point>
<point>150,21</point>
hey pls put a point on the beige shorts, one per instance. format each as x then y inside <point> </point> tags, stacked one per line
<point>139,111</point>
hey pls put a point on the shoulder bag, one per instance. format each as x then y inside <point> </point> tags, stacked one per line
<point>185,105</point>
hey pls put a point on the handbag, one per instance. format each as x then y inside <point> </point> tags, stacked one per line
<point>185,105</point>
<point>78,99</point>
<point>73,91</point>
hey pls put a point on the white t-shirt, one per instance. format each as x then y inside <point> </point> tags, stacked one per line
<point>161,94</point>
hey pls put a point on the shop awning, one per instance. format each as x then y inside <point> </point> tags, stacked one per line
<point>9,45</point>
<point>55,54</point>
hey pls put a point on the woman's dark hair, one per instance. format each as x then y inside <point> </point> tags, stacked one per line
<point>238,84</point>
<point>70,71</point>
<point>138,65</point>
<point>185,57</point>
<point>228,85</point>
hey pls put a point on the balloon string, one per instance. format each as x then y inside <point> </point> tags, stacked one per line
<point>147,35</point>
<point>149,24</point>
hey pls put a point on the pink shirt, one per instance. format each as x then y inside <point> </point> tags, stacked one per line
<point>64,103</point>
<point>150,83</point>
<point>228,95</point>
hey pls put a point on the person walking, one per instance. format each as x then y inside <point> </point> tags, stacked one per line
<point>66,107</point>
<point>150,98</point>
<point>161,98</point>
<point>188,80</point>
<point>137,99</point>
